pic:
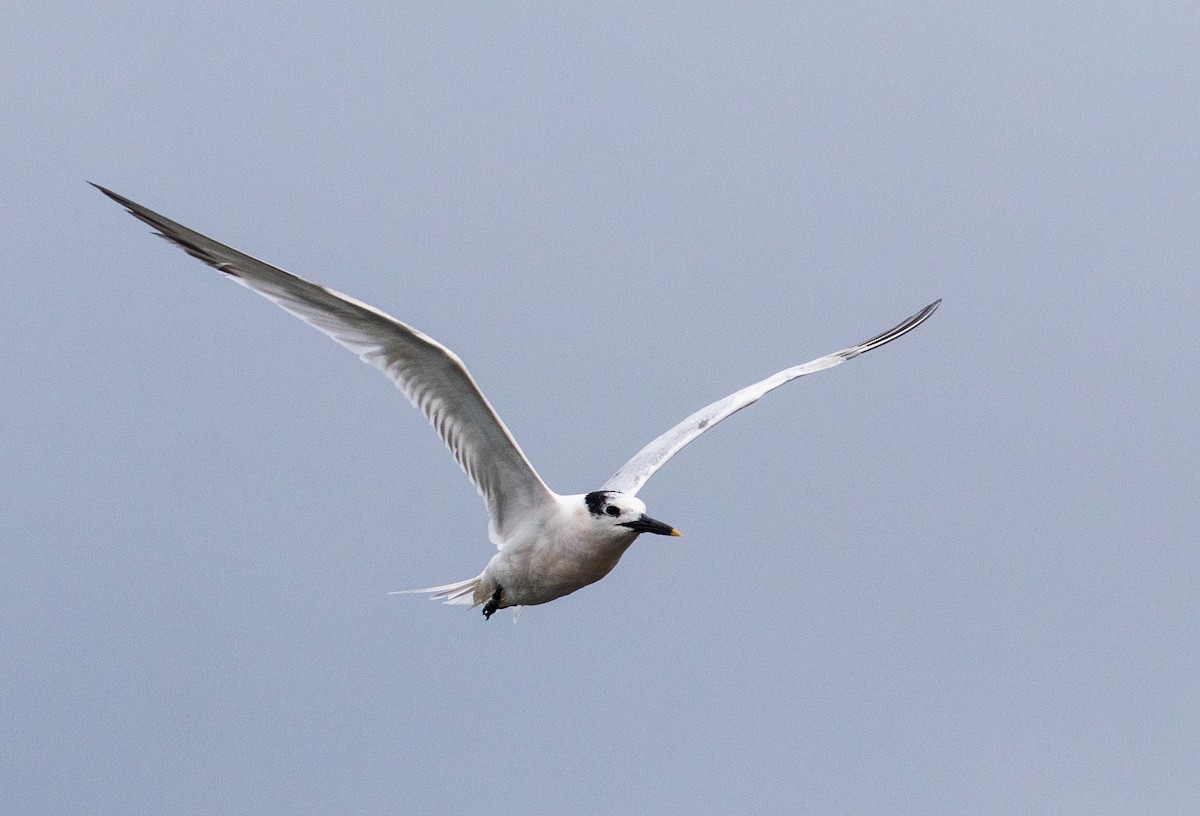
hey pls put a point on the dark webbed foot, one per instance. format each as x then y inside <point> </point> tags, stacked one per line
<point>494,604</point>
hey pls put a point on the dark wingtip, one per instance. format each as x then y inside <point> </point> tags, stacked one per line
<point>895,332</point>
<point>923,315</point>
<point>920,316</point>
<point>177,234</point>
<point>120,199</point>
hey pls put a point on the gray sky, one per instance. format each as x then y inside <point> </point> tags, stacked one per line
<point>957,575</point>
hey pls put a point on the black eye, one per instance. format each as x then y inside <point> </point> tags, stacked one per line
<point>612,510</point>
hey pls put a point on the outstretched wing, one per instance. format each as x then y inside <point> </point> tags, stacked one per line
<point>432,377</point>
<point>634,473</point>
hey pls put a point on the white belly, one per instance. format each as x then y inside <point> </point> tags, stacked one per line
<point>540,571</point>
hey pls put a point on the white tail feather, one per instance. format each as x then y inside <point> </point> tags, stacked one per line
<point>461,593</point>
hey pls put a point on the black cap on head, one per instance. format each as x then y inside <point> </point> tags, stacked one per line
<point>595,501</point>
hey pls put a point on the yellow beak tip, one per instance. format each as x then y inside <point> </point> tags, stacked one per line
<point>675,532</point>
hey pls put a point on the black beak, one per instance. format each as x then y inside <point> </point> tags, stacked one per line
<point>645,524</point>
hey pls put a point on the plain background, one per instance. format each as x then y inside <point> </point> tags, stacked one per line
<point>957,575</point>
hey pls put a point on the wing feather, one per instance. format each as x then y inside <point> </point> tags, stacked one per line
<point>634,473</point>
<point>432,377</point>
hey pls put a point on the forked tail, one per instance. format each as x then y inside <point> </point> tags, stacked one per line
<point>461,593</point>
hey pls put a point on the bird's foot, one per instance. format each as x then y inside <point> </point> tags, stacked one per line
<point>491,606</point>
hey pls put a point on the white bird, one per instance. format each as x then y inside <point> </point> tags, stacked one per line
<point>549,545</point>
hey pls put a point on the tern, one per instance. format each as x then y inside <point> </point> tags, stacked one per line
<point>548,545</point>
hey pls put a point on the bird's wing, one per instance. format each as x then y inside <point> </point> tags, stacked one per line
<point>634,473</point>
<point>432,377</point>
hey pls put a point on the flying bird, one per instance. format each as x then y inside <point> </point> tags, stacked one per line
<point>548,545</point>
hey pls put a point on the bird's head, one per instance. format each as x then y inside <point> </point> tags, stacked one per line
<point>614,509</point>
